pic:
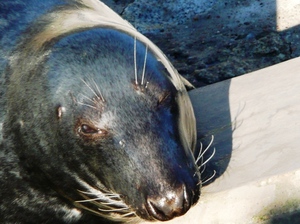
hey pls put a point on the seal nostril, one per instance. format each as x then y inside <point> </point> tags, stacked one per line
<point>171,205</point>
<point>156,211</point>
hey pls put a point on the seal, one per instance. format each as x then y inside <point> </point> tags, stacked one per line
<point>98,124</point>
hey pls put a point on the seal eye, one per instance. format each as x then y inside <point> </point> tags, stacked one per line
<point>88,130</point>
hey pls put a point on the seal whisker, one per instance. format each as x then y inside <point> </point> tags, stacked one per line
<point>93,91</point>
<point>135,63</point>
<point>94,101</point>
<point>211,156</point>
<point>98,90</point>
<point>200,155</point>
<point>210,178</point>
<point>104,197</point>
<point>112,210</point>
<point>108,209</point>
<point>88,209</point>
<point>129,214</point>
<point>85,192</point>
<point>107,202</point>
<point>87,98</point>
<point>203,169</point>
<point>95,199</point>
<point>111,197</point>
<point>144,67</point>
<point>88,200</point>
<point>84,104</point>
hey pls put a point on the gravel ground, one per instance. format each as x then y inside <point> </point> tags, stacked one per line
<point>221,40</point>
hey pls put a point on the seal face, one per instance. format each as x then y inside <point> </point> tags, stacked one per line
<point>100,122</point>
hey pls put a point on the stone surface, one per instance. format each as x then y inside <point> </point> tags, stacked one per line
<point>218,40</point>
<point>151,15</point>
<point>288,12</point>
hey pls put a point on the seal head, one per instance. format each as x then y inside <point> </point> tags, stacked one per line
<point>99,116</point>
<point>101,119</point>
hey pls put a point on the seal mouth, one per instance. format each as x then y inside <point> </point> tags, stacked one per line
<point>169,203</point>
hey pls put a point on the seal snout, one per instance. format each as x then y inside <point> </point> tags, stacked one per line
<point>172,204</point>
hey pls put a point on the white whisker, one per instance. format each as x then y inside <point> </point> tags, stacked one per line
<point>108,195</point>
<point>202,164</point>
<point>202,153</point>
<point>203,169</point>
<point>112,210</point>
<point>112,196</point>
<point>135,63</point>
<point>84,104</point>
<point>210,178</point>
<point>87,98</point>
<point>128,214</point>
<point>199,154</point>
<point>88,200</point>
<point>98,90</point>
<point>108,204</point>
<point>212,155</point>
<point>93,91</point>
<point>85,192</point>
<point>144,67</point>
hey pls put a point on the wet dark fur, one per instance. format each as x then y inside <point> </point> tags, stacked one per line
<point>79,124</point>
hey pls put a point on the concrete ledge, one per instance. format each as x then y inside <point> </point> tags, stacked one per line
<point>256,122</point>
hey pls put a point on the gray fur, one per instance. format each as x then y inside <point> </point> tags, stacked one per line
<point>97,122</point>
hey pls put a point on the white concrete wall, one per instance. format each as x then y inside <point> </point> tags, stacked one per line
<point>262,179</point>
